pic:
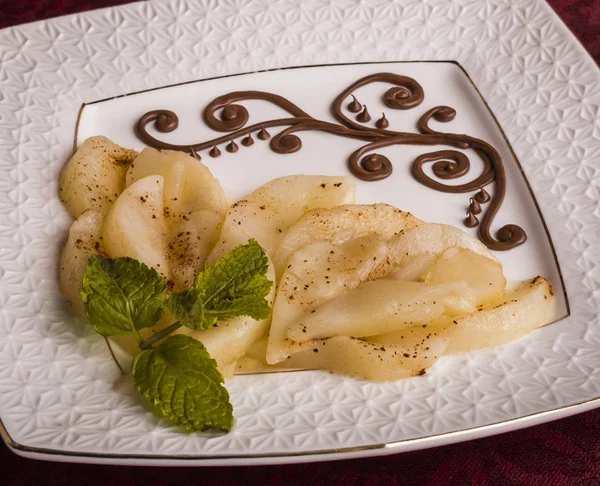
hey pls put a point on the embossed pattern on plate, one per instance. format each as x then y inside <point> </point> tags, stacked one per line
<point>55,376</point>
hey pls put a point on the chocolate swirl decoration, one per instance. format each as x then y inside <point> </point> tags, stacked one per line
<point>234,116</point>
<point>225,114</point>
<point>508,236</point>
<point>405,95</point>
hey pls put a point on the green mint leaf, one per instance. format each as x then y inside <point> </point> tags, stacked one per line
<point>122,295</point>
<point>187,306</point>
<point>240,272</point>
<point>181,379</point>
<point>249,305</point>
<point>236,285</point>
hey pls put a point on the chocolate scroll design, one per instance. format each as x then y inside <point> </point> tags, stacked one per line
<point>225,114</point>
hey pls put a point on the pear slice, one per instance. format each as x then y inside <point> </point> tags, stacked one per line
<point>414,268</point>
<point>189,185</point>
<point>135,225</point>
<point>523,309</point>
<point>316,274</point>
<point>269,211</point>
<point>340,224</point>
<point>430,239</point>
<point>383,306</point>
<point>229,340</point>
<point>95,176</point>
<point>194,206</point>
<point>190,241</point>
<point>83,241</point>
<point>357,358</point>
<point>483,275</point>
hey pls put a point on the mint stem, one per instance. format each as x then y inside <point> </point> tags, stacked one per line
<point>137,335</point>
<point>112,353</point>
<point>159,335</point>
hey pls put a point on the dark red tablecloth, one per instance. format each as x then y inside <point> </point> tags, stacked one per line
<point>564,452</point>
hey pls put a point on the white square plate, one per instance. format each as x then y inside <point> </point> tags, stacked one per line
<point>56,377</point>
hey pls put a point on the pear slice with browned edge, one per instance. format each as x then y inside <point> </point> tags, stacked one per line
<point>523,309</point>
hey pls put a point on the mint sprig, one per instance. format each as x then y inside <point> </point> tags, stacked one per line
<point>181,379</point>
<point>123,295</point>
<point>234,286</point>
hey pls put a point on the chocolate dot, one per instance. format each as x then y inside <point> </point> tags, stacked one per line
<point>263,134</point>
<point>374,162</point>
<point>470,221</point>
<point>363,116</point>
<point>382,122</point>
<point>354,106</point>
<point>232,147</point>
<point>474,206</point>
<point>482,196</point>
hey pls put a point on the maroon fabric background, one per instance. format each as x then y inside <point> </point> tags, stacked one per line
<point>564,452</point>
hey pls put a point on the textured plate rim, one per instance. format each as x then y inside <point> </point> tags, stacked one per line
<point>406,445</point>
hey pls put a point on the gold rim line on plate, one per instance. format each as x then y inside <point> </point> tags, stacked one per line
<point>428,440</point>
<point>456,434</point>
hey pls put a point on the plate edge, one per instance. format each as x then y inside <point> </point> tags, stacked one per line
<point>327,454</point>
